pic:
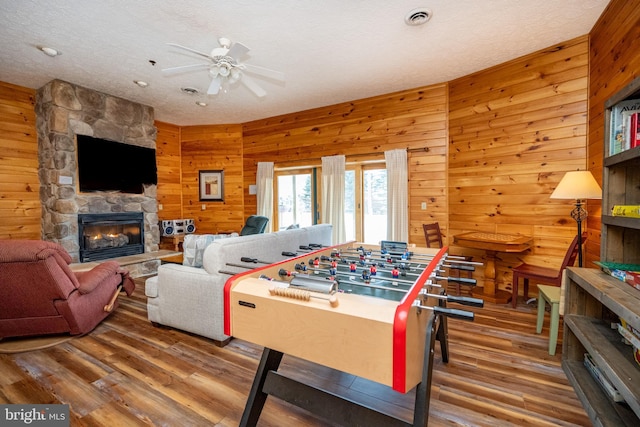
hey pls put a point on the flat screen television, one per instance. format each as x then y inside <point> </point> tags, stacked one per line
<point>105,165</point>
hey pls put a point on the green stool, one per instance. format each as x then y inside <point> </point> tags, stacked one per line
<point>550,294</point>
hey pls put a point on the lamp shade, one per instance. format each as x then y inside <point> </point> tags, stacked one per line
<point>577,185</point>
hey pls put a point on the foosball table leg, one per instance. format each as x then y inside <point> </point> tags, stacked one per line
<point>443,334</point>
<point>270,361</point>
<point>423,390</point>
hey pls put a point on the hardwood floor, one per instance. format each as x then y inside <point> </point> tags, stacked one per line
<point>128,372</point>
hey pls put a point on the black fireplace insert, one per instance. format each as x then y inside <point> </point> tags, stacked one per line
<point>110,235</point>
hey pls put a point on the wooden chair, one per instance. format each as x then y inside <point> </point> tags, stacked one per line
<point>433,236</point>
<point>546,275</point>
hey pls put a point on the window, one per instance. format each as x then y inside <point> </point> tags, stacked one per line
<point>366,203</point>
<point>365,200</point>
<point>295,195</point>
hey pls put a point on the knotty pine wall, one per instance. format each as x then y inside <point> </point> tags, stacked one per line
<point>19,183</point>
<point>514,130</point>
<point>216,147</point>
<point>363,130</point>
<point>169,163</point>
<point>614,57</point>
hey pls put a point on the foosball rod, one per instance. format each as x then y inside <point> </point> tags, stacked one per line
<point>299,268</point>
<point>449,312</point>
<point>461,280</point>
<point>366,265</point>
<point>448,258</point>
<point>258,261</point>
<point>383,265</point>
<point>382,270</point>
<point>469,301</point>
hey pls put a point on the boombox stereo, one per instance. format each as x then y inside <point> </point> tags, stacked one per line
<point>177,226</point>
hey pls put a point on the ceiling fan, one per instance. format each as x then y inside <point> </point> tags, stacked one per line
<point>223,66</point>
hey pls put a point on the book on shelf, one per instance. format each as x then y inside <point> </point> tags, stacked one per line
<point>620,125</point>
<point>631,337</point>
<point>632,211</point>
<point>601,379</point>
<point>634,130</point>
<point>629,334</point>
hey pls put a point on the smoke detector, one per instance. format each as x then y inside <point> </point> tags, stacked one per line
<point>417,16</point>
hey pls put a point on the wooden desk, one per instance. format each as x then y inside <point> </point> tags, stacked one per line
<point>492,243</point>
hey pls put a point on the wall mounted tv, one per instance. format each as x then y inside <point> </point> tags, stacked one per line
<point>105,165</point>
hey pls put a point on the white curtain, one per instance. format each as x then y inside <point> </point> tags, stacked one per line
<point>264,180</point>
<point>397,195</point>
<point>333,172</point>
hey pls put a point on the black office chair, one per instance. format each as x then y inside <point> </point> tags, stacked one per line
<point>255,224</point>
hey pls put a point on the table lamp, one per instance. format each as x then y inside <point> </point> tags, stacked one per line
<point>578,186</point>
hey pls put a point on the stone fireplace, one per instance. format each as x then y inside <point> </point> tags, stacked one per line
<point>64,110</point>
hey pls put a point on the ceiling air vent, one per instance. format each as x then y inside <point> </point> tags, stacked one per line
<point>189,90</point>
<point>417,16</point>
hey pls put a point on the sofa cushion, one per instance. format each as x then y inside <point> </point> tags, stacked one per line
<point>195,244</point>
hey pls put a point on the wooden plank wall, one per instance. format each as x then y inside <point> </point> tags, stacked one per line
<point>19,183</point>
<point>168,159</point>
<point>514,130</point>
<point>614,63</point>
<point>363,129</point>
<point>215,147</point>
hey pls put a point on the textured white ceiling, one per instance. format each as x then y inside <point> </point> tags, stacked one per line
<point>331,51</point>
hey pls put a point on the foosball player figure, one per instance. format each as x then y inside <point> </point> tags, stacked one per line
<point>389,259</point>
<point>334,264</point>
<point>353,267</point>
<point>395,273</point>
<point>373,270</point>
<point>316,262</point>
<point>333,271</point>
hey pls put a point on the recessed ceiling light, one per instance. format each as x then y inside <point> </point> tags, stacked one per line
<point>141,83</point>
<point>202,104</point>
<point>49,51</point>
<point>189,90</point>
<point>417,16</point>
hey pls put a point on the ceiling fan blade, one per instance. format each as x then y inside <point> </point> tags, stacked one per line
<point>237,49</point>
<point>264,72</point>
<point>184,68</point>
<point>191,50</point>
<point>214,87</point>
<point>253,86</point>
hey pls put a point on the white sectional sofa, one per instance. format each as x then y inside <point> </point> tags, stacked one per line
<point>191,298</point>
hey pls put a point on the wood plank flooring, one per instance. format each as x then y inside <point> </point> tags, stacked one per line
<point>128,373</point>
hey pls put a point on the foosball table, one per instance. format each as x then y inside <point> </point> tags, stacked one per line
<point>370,311</point>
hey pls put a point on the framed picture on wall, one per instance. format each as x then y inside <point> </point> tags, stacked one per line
<point>211,185</point>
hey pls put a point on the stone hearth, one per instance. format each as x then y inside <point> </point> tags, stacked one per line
<point>64,110</point>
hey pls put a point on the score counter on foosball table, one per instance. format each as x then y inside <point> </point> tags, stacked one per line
<point>380,339</point>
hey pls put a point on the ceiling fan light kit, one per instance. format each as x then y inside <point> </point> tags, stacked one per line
<point>223,67</point>
<point>49,51</point>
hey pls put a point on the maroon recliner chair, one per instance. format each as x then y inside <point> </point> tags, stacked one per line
<point>39,294</point>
